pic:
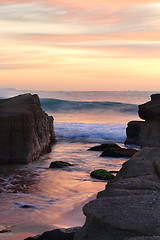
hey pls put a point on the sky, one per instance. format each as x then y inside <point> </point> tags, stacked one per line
<point>80,45</point>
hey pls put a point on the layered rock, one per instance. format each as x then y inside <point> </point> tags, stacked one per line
<point>26,131</point>
<point>146,133</point>
<point>129,207</point>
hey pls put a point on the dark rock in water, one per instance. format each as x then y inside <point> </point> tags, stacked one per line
<point>59,164</point>
<point>57,234</point>
<point>26,131</point>
<point>133,132</point>
<point>102,174</point>
<point>147,133</point>
<point>129,207</point>
<point>103,146</point>
<point>118,152</point>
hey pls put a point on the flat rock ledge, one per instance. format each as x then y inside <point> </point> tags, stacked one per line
<point>129,207</point>
<point>26,131</point>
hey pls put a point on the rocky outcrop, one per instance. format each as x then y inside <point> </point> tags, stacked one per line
<point>146,133</point>
<point>129,207</point>
<point>26,131</point>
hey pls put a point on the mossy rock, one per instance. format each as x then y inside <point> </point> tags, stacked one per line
<point>59,164</point>
<point>102,174</point>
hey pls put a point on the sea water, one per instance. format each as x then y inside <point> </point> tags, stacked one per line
<point>56,197</point>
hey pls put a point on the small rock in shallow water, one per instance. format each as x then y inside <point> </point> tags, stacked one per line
<point>59,164</point>
<point>103,146</point>
<point>118,152</point>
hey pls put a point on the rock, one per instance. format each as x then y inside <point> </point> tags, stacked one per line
<point>26,131</point>
<point>133,132</point>
<point>101,174</point>
<point>129,207</point>
<point>103,146</point>
<point>118,152</point>
<point>138,176</point>
<point>59,164</point>
<point>57,234</point>
<point>150,134</point>
<point>151,109</point>
<point>146,133</point>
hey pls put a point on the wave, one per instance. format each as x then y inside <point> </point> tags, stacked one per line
<point>58,105</point>
<point>90,132</point>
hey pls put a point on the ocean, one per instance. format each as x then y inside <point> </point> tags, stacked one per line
<point>56,197</point>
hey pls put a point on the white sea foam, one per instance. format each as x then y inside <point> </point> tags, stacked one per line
<point>91,132</point>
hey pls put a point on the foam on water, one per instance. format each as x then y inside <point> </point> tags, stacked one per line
<point>90,132</point>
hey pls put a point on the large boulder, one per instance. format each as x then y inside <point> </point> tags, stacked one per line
<point>151,109</point>
<point>146,133</point>
<point>26,131</point>
<point>150,131</point>
<point>129,207</point>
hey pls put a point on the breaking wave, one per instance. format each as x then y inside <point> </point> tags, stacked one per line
<point>57,105</point>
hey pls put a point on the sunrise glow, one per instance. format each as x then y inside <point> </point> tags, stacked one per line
<point>86,45</point>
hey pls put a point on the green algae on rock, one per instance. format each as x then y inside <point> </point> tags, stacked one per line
<point>101,174</point>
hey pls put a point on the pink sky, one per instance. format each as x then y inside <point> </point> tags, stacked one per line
<point>86,45</point>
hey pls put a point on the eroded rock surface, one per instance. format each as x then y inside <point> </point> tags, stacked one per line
<point>129,207</point>
<point>26,131</point>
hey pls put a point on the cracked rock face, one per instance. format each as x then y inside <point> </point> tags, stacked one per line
<point>129,207</point>
<point>26,131</point>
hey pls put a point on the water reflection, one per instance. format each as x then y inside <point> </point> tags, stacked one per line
<point>55,197</point>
